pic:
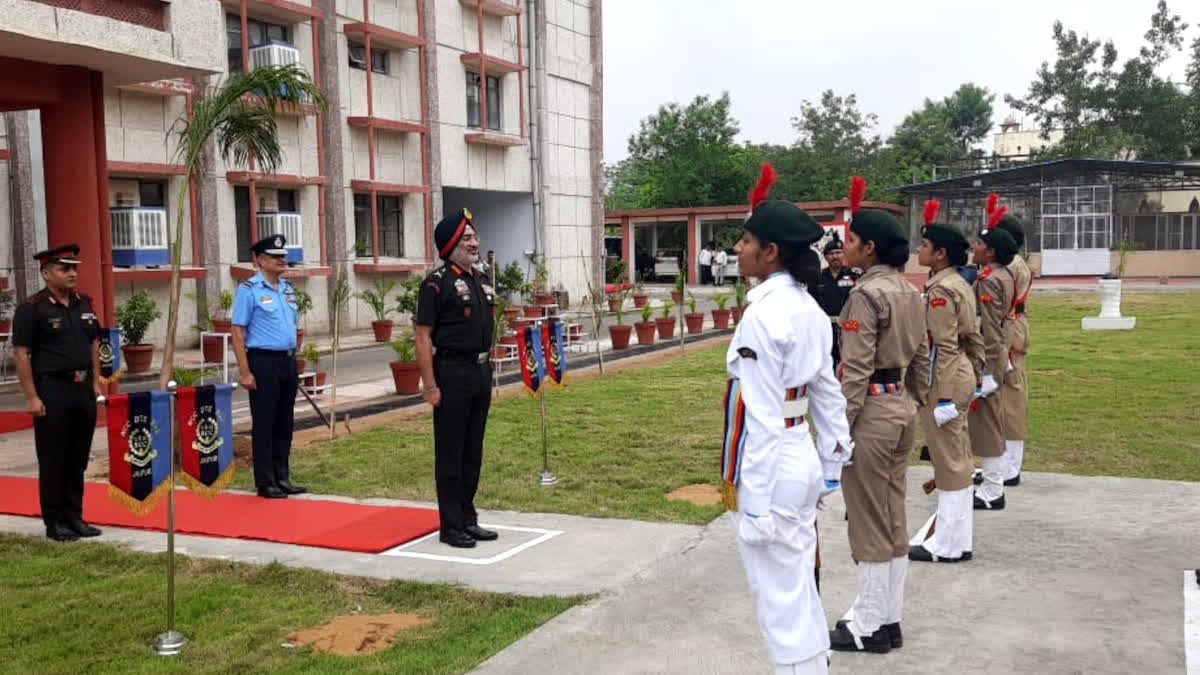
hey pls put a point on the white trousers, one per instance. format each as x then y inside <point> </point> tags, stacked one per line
<point>953,523</point>
<point>994,468</point>
<point>817,665</point>
<point>880,597</point>
<point>780,574</point>
<point>1014,454</point>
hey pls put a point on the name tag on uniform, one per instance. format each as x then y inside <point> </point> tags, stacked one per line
<point>88,316</point>
<point>266,299</point>
<point>463,290</point>
<point>846,282</point>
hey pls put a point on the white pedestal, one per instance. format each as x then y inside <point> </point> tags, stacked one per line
<point>1110,309</point>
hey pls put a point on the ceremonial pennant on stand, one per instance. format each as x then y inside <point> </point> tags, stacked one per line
<point>552,349</point>
<point>139,449</point>
<point>110,354</point>
<point>533,366</point>
<point>205,420</point>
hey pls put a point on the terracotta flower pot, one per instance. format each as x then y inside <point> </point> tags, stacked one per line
<point>300,364</point>
<point>5,327</point>
<point>532,311</point>
<point>499,352</point>
<point>508,339</point>
<point>210,347</point>
<point>614,303</point>
<point>721,318</point>
<point>137,357</point>
<point>521,324</point>
<point>299,338</point>
<point>317,381</point>
<point>645,332</point>
<point>639,299</point>
<point>222,325</point>
<point>383,330</point>
<point>737,314</point>
<point>620,335</point>
<point>407,377</point>
<point>544,299</point>
<point>676,297</point>
<point>511,313</point>
<point>695,321</point>
<point>666,327</point>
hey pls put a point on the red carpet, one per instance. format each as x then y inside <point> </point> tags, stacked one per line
<point>308,522</point>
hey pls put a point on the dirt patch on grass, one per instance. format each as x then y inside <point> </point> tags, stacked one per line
<point>353,634</point>
<point>700,494</point>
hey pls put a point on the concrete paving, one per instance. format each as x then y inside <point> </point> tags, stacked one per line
<point>1077,575</point>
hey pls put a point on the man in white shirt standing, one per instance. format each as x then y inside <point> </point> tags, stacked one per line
<point>705,261</point>
<point>718,266</point>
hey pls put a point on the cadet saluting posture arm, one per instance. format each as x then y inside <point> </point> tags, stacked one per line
<point>56,339</point>
<point>942,381</point>
<point>994,291</point>
<point>778,361</point>
<point>883,329</point>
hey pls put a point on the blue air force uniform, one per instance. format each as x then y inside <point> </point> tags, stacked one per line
<point>268,315</point>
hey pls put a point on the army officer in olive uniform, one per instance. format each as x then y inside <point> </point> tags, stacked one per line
<point>454,337</point>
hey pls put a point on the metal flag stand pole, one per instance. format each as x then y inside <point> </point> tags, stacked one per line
<point>547,478</point>
<point>170,642</point>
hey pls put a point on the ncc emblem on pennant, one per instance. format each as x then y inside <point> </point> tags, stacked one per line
<point>937,302</point>
<point>851,325</point>
<point>747,353</point>
<point>139,431</point>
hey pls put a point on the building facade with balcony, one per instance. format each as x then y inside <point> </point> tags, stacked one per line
<point>433,105</point>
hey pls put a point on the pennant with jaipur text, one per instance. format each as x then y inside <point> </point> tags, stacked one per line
<point>554,355</point>
<point>204,416</point>
<point>533,366</point>
<point>139,448</point>
<point>110,354</point>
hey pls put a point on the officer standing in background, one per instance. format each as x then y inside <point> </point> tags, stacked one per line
<point>836,282</point>
<point>453,331</point>
<point>56,341</point>
<point>264,342</point>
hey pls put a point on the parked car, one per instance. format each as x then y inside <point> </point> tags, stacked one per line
<point>666,263</point>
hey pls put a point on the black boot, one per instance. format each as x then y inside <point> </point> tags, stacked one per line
<point>290,488</point>
<point>60,532</point>
<point>479,534</point>
<point>919,553</point>
<point>456,538</point>
<point>83,529</point>
<point>1013,482</point>
<point>893,631</point>
<point>842,640</point>
<point>996,504</point>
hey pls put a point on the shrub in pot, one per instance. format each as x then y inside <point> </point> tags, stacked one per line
<point>134,316</point>
<point>720,315</point>
<point>304,305</point>
<point>639,296</point>
<point>677,292</point>
<point>694,319</point>
<point>619,333</point>
<point>645,328</point>
<point>405,373</point>
<point>7,303</point>
<point>739,296</point>
<point>666,322</point>
<point>376,299</point>
<point>312,356</point>
<point>410,293</point>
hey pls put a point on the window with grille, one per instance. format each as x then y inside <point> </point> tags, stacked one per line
<point>391,226</point>
<point>358,59</point>
<point>493,101</point>
<point>257,32</point>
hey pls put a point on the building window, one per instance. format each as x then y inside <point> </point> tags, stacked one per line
<point>152,193</point>
<point>493,101</point>
<point>391,226</point>
<point>286,201</point>
<point>379,59</point>
<point>259,32</point>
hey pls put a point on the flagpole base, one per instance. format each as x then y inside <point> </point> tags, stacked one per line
<point>169,643</point>
<point>547,478</point>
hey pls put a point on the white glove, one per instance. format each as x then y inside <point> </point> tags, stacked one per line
<point>989,386</point>
<point>978,392</point>
<point>944,412</point>
<point>756,530</point>
<point>1009,368</point>
<point>828,487</point>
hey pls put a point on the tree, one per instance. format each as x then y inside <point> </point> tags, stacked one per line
<point>238,114</point>
<point>1105,111</point>
<point>834,142</point>
<point>682,156</point>
<point>923,140</point>
<point>968,113</point>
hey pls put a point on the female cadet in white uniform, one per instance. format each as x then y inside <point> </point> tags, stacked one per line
<point>779,362</point>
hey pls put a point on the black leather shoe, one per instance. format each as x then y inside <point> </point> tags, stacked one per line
<point>967,555</point>
<point>842,640</point>
<point>919,553</point>
<point>996,504</point>
<point>925,454</point>
<point>291,489</point>
<point>60,532</point>
<point>977,478</point>
<point>456,538</point>
<point>1013,482</point>
<point>83,529</point>
<point>271,492</point>
<point>893,631</point>
<point>479,534</point>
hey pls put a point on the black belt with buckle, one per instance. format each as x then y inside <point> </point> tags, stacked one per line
<point>885,376</point>
<point>271,352</point>
<point>69,375</point>
<point>467,357</point>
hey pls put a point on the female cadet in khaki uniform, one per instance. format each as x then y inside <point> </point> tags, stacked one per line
<point>883,328</point>
<point>942,382</point>
<point>994,291</point>
<point>778,362</point>
<point>1014,392</point>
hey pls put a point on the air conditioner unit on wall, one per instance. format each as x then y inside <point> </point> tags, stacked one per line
<point>274,54</point>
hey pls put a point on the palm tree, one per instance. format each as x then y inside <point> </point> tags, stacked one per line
<point>238,114</point>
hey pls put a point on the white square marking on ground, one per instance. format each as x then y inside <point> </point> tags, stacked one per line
<point>1191,622</point>
<point>521,539</point>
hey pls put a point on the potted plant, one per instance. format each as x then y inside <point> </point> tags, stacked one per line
<point>639,295</point>
<point>645,328</point>
<point>7,302</point>
<point>720,315</point>
<point>615,300</point>
<point>499,329</point>
<point>694,319</point>
<point>619,333</point>
<point>677,292</point>
<point>410,292</point>
<point>312,357</point>
<point>405,372</point>
<point>221,322</point>
<point>541,275</point>
<point>376,299</point>
<point>213,316</point>
<point>134,316</point>
<point>666,322</point>
<point>739,300</point>
<point>304,304</point>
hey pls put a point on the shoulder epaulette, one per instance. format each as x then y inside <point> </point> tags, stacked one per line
<point>247,284</point>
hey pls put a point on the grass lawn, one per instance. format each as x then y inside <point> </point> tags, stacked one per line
<point>1113,403</point>
<point>95,608</point>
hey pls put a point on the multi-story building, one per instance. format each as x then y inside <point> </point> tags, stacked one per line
<point>432,105</point>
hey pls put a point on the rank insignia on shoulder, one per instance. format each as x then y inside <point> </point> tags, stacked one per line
<point>851,325</point>
<point>937,302</point>
<point>747,353</point>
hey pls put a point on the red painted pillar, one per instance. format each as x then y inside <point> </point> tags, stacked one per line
<point>70,150</point>
<point>692,250</point>
<point>627,247</point>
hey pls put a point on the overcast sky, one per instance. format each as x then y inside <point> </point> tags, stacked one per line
<point>772,54</point>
